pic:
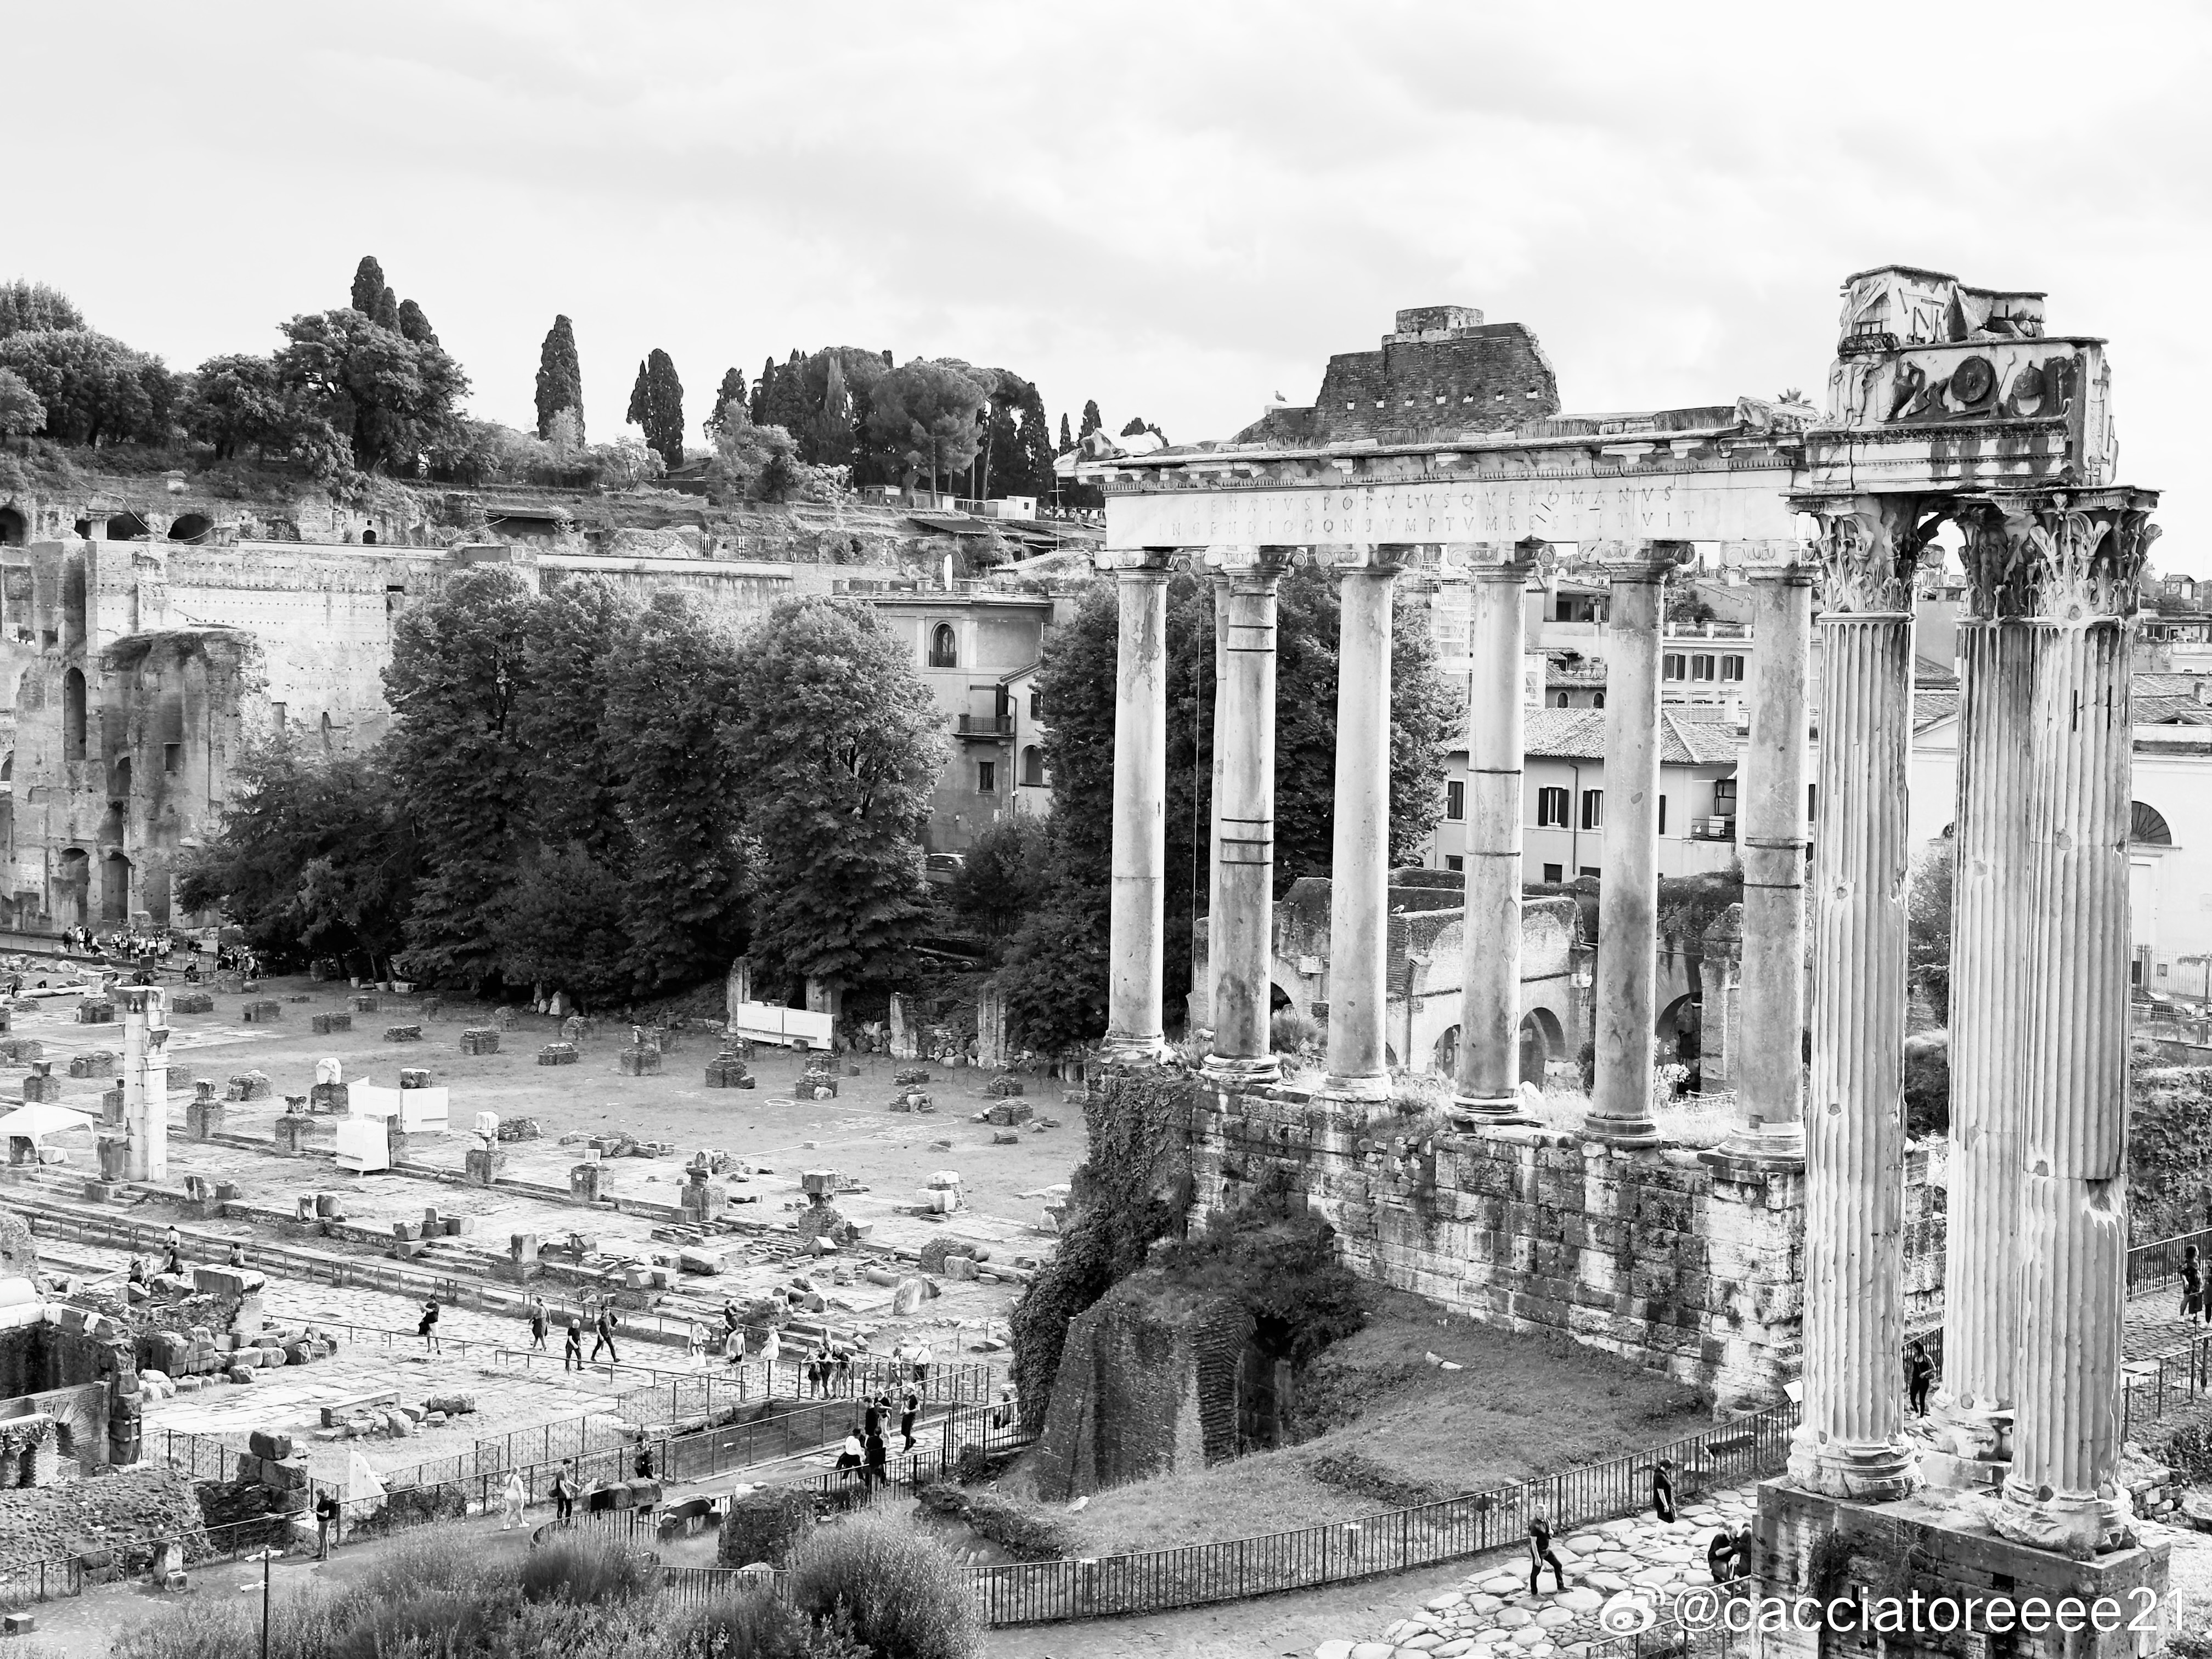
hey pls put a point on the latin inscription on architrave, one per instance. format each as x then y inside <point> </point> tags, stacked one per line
<point>1715,506</point>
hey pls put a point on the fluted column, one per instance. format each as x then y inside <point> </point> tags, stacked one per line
<point>1140,780</point>
<point>1242,928</point>
<point>1489,1080</point>
<point>1359,870</point>
<point>1768,1057</point>
<point>1628,891</point>
<point>2064,1488</point>
<point>1850,1441</point>
<point>1992,989</point>
<point>1214,794</point>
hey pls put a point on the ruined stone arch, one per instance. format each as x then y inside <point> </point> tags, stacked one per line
<point>128,527</point>
<point>1542,1041</point>
<point>15,528</point>
<point>191,527</point>
<point>73,715</point>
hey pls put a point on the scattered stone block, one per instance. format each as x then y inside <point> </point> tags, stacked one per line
<point>479,1040</point>
<point>1010,1114</point>
<point>192,1002</point>
<point>1005,1083</point>
<point>261,1012</point>
<point>557,1054</point>
<point>366,1004</point>
<point>639,1062</point>
<point>329,1097</point>
<point>908,1297</point>
<point>403,1034</point>
<point>506,1019</point>
<point>95,1011</point>
<point>484,1164</point>
<point>327,1024</point>
<point>249,1086</point>
<point>42,1084</point>
<point>1006,1138</point>
<point>587,1182</point>
<point>99,1063</point>
<point>414,1076</point>
<point>239,1373</point>
<point>291,1134</point>
<point>727,1070</point>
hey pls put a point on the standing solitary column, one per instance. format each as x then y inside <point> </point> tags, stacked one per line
<point>1141,786</point>
<point>1359,870</point>
<point>1213,797</point>
<point>1850,1442</point>
<point>1768,1055</point>
<point>1628,886</point>
<point>1490,999</point>
<point>1242,928</point>
<point>2064,1490</point>
<point>145,1081</point>
<point>1991,1012</point>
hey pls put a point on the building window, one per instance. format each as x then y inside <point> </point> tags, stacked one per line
<point>73,715</point>
<point>1732,668</point>
<point>1723,797</point>
<point>1662,815</point>
<point>1597,699</point>
<point>1032,766</point>
<point>1671,666</point>
<point>1454,861</point>
<point>1812,801</point>
<point>276,713</point>
<point>1555,873</point>
<point>1560,701</point>
<point>172,757</point>
<point>1455,801</point>
<point>1592,809</point>
<point>944,647</point>
<point>1701,667</point>
<point>1036,704</point>
<point>987,777</point>
<point>1551,809</point>
<point>1589,870</point>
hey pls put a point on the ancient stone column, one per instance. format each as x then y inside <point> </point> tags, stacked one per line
<point>2064,1490</point>
<point>1242,928</point>
<point>1140,784</point>
<point>1628,902</point>
<point>1991,997</point>
<point>1768,1056</point>
<point>1489,1077</point>
<point>1213,797</point>
<point>1850,1440</point>
<point>145,1081</point>
<point>1359,870</point>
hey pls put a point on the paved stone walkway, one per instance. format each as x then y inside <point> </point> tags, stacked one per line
<point>1609,1565</point>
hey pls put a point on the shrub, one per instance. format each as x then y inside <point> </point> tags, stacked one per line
<point>435,1623</point>
<point>298,1628</point>
<point>1928,1085</point>
<point>1027,1533</point>
<point>759,1626</point>
<point>584,1569</point>
<point>765,1525</point>
<point>1291,1032</point>
<point>904,1595</point>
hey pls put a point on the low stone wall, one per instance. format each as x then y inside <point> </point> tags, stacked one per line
<point>1684,1261</point>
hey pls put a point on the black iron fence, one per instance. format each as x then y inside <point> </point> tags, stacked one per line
<point>2157,1265</point>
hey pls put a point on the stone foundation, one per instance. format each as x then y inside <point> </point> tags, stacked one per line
<point>1684,1261</point>
<point>1940,1548</point>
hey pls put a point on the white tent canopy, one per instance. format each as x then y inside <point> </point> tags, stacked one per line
<point>42,1117</point>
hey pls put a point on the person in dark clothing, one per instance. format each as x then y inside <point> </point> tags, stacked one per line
<point>1919,1372</point>
<point>643,1464</point>
<point>908,1407</point>
<point>572,1348</point>
<point>879,1458</point>
<point>1720,1557</point>
<point>1663,1488</point>
<point>327,1511</point>
<point>1746,1552</point>
<point>1541,1555</point>
<point>872,1421</point>
<point>427,1326</point>
<point>564,1484</point>
<point>603,1329</point>
<point>2192,1285</point>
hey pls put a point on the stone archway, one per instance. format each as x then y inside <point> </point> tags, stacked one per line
<point>115,888</point>
<point>15,528</point>
<point>1542,1041</point>
<point>72,888</point>
<point>190,527</point>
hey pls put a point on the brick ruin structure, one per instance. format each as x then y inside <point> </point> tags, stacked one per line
<point>1781,1256</point>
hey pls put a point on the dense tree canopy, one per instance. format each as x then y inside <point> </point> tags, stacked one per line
<point>656,403</point>
<point>930,414</point>
<point>731,392</point>
<point>22,409</point>
<point>392,397</point>
<point>27,307</point>
<point>94,390</point>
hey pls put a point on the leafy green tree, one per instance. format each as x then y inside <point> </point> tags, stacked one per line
<point>560,378</point>
<point>841,745</point>
<point>239,403</point>
<point>456,676</point>
<point>368,285</point>
<point>758,407</point>
<point>1031,473</point>
<point>27,308</point>
<point>656,403</point>
<point>1004,875</point>
<point>731,391</point>
<point>1076,684</point>
<point>22,412</point>
<point>1928,919</point>
<point>672,688</point>
<point>1001,452</point>
<point>94,390</point>
<point>787,404</point>
<point>390,397</point>
<point>560,923</point>
<point>930,414</point>
<point>313,853</point>
<point>755,463</point>
<point>575,635</point>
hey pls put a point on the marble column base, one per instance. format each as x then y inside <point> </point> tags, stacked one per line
<point>1970,1445</point>
<point>1238,1071</point>
<point>1620,1131</point>
<point>1777,1143</point>
<point>2065,1521</point>
<point>1874,1472</point>
<point>1355,1088</point>
<point>1123,1050</point>
<point>1492,1109</point>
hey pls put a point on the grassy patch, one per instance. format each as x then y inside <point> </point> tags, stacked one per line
<point>1377,1413</point>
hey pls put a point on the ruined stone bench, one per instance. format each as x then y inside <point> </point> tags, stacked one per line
<point>639,1062</point>
<point>95,1011</point>
<point>557,1054</point>
<point>479,1040</point>
<point>264,1011</point>
<point>727,1072</point>
<point>403,1034</point>
<point>325,1024</point>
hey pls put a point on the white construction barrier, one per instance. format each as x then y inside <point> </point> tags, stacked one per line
<point>362,1147</point>
<point>764,1022</point>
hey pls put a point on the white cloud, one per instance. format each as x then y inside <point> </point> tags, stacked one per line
<point>1174,210</point>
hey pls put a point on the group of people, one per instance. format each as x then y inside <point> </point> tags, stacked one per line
<point>1727,1556</point>
<point>867,1447</point>
<point>2196,1305</point>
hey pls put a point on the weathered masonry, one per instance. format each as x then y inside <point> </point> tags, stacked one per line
<point>1947,405</point>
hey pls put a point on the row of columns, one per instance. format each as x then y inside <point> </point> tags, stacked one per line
<point>1241,883</point>
<point>2035,1271</point>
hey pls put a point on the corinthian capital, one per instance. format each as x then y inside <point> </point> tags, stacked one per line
<point>2074,554</point>
<point>1869,546</point>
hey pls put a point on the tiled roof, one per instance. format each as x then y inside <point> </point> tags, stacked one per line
<point>1930,707</point>
<point>1579,734</point>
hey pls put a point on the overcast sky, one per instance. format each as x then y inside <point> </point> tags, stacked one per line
<point>1176,210</point>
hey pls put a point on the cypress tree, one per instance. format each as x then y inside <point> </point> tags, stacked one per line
<point>1092,420</point>
<point>656,403</point>
<point>1067,441</point>
<point>560,378</point>
<point>414,325</point>
<point>386,314</point>
<point>785,405</point>
<point>758,410</point>
<point>731,391</point>
<point>368,285</point>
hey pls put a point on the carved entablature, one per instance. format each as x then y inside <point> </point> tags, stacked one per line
<point>2058,555</point>
<point>1869,546</point>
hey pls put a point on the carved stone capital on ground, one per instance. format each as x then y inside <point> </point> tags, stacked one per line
<point>1869,546</point>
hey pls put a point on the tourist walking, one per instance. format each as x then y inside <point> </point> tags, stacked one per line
<point>572,1346</point>
<point>1663,1488</point>
<point>604,1331</point>
<point>1919,1372</point>
<point>921,1364</point>
<point>771,1352</point>
<point>511,1496</point>
<point>1541,1555</point>
<point>848,1454</point>
<point>879,1459</point>
<point>695,1346</point>
<point>327,1513</point>
<point>537,1324</point>
<point>1004,1416</point>
<point>564,1487</point>
<point>427,1326</point>
<point>2192,1286</point>
<point>908,1407</point>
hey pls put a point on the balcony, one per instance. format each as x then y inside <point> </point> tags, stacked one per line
<point>989,728</point>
